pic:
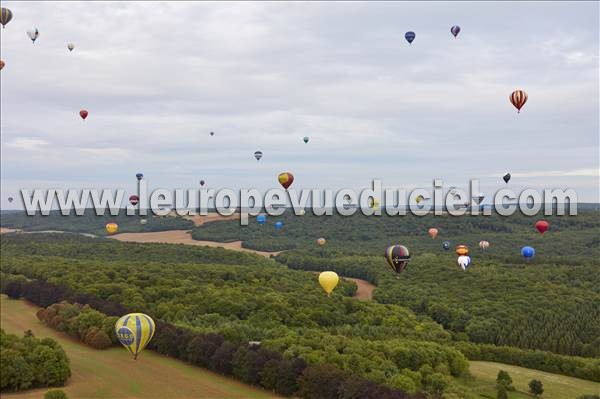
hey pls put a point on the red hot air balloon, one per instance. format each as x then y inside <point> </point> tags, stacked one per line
<point>518,98</point>
<point>285,179</point>
<point>542,226</point>
<point>2,64</point>
<point>134,199</point>
<point>83,113</point>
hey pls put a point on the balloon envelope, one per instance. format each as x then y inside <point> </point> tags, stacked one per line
<point>134,199</point>
<point>528,252</point>
<point>111,228</point>
<point>484,245</point>
<point>518,98</point>
<point>33,34</point>
<point>10,199</point>
<point>433,232</point>
<point>5,16</point>
<point>328,280</point>
<point>410,36</point>
<point>455,30</point>
<point>143,221</point>
<point>139,176</point>
<point>285,179</point>
<point>83,113</point>
<point>202,182</point>
<point>261,219</point>
<point>397,257</point>
<point>134,331</point>
<point>278,225</point>
<point>2,64</point>
<point>446,245</point>
<point>70,46</point>
<point>542,226</point>
<point>461,250</point>
<point>305,139</point>
<point>506,178</point>
<point>464,261</point>
<point>258,155</point>
<point>321,241</point>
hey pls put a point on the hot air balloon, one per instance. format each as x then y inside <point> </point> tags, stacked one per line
<point>10,199</point>
<point>305,139</point>
<point>374,203</point>
<point>134,331</point>
<point>2,64</point>
<point>446,245</point>
<point>461,250</point>
<point>134,199</point>
<point>484,245</point>
<point>455,30</point>
<point>278,225</point>
<point>506,177</point>
<point>261,219</point>
<point>112,228</point>
<point>464,261</point>
<point>33,34</point>
<point>542,226</point>
<point>321,241</point>
<point>301,212</point>
<point>139,176</point>
<point>202,182</point>
<point>328,280</point>
<point>479,198</point>
<point>285,179</point>
<point>212,133</point>
<point>397,257</point>
<point>5,16</point>
<point>433,232</point>
<point>70,46</point>
<point>143,221</point>
<point>420,198</point>
<point>528,253</point>
<point>83,113</point>
<point>410,36</point>
<point>258,155</point>
<point>518,98</point>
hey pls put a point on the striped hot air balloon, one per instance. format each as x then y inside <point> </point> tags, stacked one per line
<point>5,16</point>
<point>397,257</point>
<point>134,331</point>
<point>518,98</point>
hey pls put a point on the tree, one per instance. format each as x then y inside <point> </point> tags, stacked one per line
<point>55,394</point>
<point>503,380</point>
<point>321,381</point>
<point>501,394</point>
<point>536,387</point>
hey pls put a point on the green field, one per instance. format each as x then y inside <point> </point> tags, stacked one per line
<point>483,378</point>
<point>113,374</point>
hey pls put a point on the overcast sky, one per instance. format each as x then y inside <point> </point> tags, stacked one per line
<point>158,78</point>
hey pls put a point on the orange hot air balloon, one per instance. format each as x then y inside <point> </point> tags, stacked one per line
<point>462,250</point>
<point>112,228</point>
<point>433,232</point>
<point>83,113</point>
<point>286,179</point>
<point>518,98</point>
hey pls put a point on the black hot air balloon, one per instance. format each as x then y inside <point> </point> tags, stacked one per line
<point>506,177</point>
<point>397,257</point>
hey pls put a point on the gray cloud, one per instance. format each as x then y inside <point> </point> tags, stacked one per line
<point>157,78</point>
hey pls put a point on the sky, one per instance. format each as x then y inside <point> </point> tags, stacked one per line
<point>157,78</point>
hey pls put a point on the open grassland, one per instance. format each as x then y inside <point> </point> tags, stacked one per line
<point>113,374</point>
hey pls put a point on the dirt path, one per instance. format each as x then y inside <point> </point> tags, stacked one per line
<point>101,373</point>
<point>184,237</point>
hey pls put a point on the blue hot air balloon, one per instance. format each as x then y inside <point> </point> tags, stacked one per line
<point>261,219</point>
<point>278,225</point>
<point>410,36</point>
<point>528,252</point>
<point>139,176</point>
<point>455,30</point>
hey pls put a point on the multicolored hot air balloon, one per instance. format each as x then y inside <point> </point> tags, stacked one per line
<point>5,16</point>
<point>258,155</point>
<point>461,250</point>
<point>321,241</point>
<point>83,113</point>
<point>527,253</point>
<point>2,64</point>
<point>410,36</point>
<point>484,245</point>
<point>261,219</point>
<point>397,257</point>
<point>518,98</point>
<point>455,30</point>
<point>446,245</point>
<point>139,176</point>
<point>464,261</point>
<point>433,232</point>
<point>542,226</point>
<point>506,177</point>
<point>134,199</point>
<point>70,46</point>
<point>278,225</point>
<point>305,139</point>
<point>202,182</point>
<point>285,179</point>
<point>111,228</point>
<point>33,34</point>
<point>328,281</point>
<point>134,331</point>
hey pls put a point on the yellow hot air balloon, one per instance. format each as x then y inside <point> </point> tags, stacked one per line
<point>420,198</point>
<point>373,203</point>
<point>328,280</point>
<point>321,241</point>
<point>134,331</point>
<point>112,228</point>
